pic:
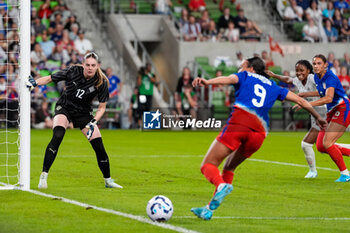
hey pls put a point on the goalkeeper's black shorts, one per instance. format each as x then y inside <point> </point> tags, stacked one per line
<point>79,120</point>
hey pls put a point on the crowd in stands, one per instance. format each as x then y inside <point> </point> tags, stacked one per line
<point>196,24</point>
<point>323,20</point>
<point>9,67</point>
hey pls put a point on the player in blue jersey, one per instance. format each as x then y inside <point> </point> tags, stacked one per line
<point>333,95</point>
<point>246,127</point>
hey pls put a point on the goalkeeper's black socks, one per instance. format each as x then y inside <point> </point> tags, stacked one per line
<point>102,157</point>
<point>52,148</point>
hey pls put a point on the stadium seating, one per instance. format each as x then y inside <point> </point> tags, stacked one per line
<point>37,4</point>
<point>202,60</point>
<point>144,7</point>
<point>298,31</point>
<point>276,69</point>
<point>220,111</point>
<point>277,115</point>
<point>214,8</point>
<point>53,4</point>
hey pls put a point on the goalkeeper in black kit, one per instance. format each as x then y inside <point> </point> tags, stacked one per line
<point>83,83</point>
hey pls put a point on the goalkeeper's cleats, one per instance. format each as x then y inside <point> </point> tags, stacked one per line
<point>43,180</point>
<point>203,213</point>
<point>311,174</point>
<point>222,191</point>
<point>343,178</point>
<point>109,183</point>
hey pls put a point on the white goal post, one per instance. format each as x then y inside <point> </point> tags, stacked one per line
<point>15,163</point>
<point>24,98</point>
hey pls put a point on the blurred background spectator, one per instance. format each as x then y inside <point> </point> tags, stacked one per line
<point>115,87</point>
<point>180,97</point>
<point>42,117</point>
<point>192,30</point>
<point>345,79</point>
<point>331,32</point>
<point>311,32</point>
<point>225,19</point>
<point>231,33</point>
<point>145,81</point>
<point>82,45</point>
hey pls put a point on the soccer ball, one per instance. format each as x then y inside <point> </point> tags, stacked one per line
<point>159,208</point>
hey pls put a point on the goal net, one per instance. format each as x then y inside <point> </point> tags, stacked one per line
<point>14,98</point>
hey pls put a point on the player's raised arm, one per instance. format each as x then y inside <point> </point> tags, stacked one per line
<point>31,83</point>
<point>224,80</point>
<point>309,94</point>
<point>328,98</point>
<point>44,80</point>
<point>285,79</point>
<point>307,106</point>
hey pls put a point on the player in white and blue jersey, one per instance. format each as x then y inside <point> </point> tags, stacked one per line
<point>304,82</point>
<point>246,127</point>
<point>333,95</point>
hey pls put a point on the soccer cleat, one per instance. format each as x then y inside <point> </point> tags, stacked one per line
<point>43,180</point>
<point>343,178</point>
<point>203,213</point>
<point>222,191</point>
<point>109,183</point>
<point>311,174</point>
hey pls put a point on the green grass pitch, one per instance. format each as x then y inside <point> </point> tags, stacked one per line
<point>267,197</point>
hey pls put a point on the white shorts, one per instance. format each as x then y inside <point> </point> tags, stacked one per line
<point>322,110</point>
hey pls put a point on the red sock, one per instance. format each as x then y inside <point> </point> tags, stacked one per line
<point>227,176</point>
<point>212,173</point>
<point>337,157</point>
<point>344,151</point>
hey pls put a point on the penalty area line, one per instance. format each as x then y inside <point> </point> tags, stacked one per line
<point>273,218</point>
<point>290,164</point>
<point>110,211</point>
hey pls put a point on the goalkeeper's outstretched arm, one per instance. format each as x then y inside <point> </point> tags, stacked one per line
<point>31,83</point>
<point>43,80</point>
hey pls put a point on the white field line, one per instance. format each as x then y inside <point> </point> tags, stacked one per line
<point>110,211</point>
<point>198,156</point>
<point>272,218</point>
<point>291,164</point>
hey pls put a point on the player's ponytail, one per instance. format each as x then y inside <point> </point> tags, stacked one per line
<point>101,77</point>
<point>258,65</point>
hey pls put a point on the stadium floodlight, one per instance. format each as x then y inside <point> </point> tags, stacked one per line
<point>15,143</point>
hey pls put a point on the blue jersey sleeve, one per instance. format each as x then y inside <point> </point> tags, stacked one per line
<point>282,93</point>
<point>242,77</point>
